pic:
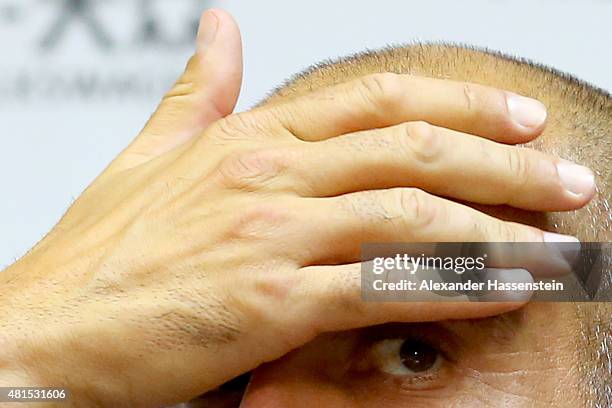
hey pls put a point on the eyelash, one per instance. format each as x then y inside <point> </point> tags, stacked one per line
<point>387,351</point>
<point>367,362</point>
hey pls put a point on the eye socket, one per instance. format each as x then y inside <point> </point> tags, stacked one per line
<point>406,357</point>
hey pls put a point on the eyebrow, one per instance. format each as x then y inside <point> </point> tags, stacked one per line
<point>500,329</point>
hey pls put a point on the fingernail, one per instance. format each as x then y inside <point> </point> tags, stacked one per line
<point>561,253</point>
<point>502,278</point>
<point>578,180</point>
<point>552,237</point>
<point>526,112</point>
<point>209,24</point>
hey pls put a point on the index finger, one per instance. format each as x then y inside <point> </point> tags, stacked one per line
<point>387,99</point>
<point>332,300</point>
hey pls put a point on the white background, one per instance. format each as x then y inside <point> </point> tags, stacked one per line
<point>54,139</point>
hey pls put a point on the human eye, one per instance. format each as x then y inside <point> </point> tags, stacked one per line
<point>406,357</point>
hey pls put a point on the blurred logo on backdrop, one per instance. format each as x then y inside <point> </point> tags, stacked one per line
<point>103,50</point>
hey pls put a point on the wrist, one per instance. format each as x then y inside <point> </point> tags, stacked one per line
<point>57,330</point>
<point>35,339</point>
<point>20,332</point>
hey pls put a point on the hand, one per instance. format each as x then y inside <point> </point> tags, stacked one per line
<point>190,261</point>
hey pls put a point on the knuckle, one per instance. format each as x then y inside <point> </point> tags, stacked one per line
<point>380,91</point>
<point>478,231</point>
<point>272,283</point>
<point>177,100</point>
<point>481,103</point>
<point>251,170</point>
<point>238,126</point>
<point>178,97</point>
<point>259,221</point>
<point>290,114</point>
<point>519,167</point>
<point>418,209</point>
<point>471,98</point>
<point>187,84</point>
<point>181,88</point>
<point>420,141</point>
<point>504,232</point>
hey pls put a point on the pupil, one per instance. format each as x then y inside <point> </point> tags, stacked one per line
<point>418,356</point>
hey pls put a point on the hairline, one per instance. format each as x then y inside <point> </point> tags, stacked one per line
<point>359,56</point>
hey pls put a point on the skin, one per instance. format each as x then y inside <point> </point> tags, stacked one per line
<point>520,361</point>
<point>207,247</point>
<point>534,357</point>
<point>577,128</point>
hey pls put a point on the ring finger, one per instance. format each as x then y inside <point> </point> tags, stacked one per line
<point>333,229</point>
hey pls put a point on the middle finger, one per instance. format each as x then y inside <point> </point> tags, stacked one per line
<point>443,162</point>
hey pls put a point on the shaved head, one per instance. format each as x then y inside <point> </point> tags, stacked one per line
<point>579,129</point>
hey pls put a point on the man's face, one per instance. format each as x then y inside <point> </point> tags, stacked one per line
<point>528,358</point>
<point>524,359</point>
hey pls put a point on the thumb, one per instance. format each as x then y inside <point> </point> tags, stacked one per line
<point>205,92</point>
